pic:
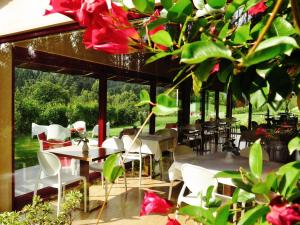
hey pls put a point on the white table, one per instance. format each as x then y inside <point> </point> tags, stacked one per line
<point>155,144</point>
<point>215,163</point>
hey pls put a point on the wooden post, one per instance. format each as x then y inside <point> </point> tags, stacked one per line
<point>202,106</point>
<point>250,117</point>
<point>102,104</point>
<point>153,99</point>
<point>229,109</point>
<point>217,103</point>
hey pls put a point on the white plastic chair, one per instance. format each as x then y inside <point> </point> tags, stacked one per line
<point>51,175</point>
<point>197,180</point>
<point>36,129</point>
<point>58,132</point>
<point>96,133</point>
<point>110,143</point>
<point>80,125</point>
<point>174,174</point>
<point>133,153</point>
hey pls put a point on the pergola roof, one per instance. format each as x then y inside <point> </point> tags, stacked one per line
<point>19,17</point>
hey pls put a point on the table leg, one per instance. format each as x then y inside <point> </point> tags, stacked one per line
<point>84,171</point>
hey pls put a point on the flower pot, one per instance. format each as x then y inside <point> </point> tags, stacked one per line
<point>85,147</point>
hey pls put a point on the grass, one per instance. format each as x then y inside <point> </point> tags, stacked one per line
<point>26,147</point>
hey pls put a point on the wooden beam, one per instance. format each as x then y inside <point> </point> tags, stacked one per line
<point>152,99</point>
<point>102,104</point>
<point>229,103</point>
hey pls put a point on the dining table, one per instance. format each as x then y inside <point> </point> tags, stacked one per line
<point>94,154</point>
<point>216,162</point>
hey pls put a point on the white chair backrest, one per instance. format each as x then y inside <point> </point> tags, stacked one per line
<point>58,132</point>
<point>128,146</point>
<point>113,143</point>
<point>80,124</point>
<point>37,129</point>
<point>182,150</point>
<point>107,129</point>
<point>197,179</point>
<point>246,151</point>
<point>49,163</point>
<point>95,131</point>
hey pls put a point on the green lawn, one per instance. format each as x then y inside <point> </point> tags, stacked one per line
<point>26,147</point>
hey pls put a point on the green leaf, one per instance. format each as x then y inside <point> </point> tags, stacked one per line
<point>281,27</point>
<point>242,34</point>
<point>235,195</point>
<point>239,183</point>
<point>216,4</point>
<point>156,23</point>
<point>179,11</point>
<point>260,188</point>
<point>271,48</point>
<point>222,215</point>
<point>145,6</point>
<point>162,37</point>
<point>200,51</point>
<point>294,144</point>
<point>228,174</point>
<point>144,98</point>
<point>111,170</point>
<point>198,213</point>
<point>259,98</point>
<point>224,31</point>
<point>233,7</point>
<point>271,181</point>
<point>255,159</point>
<point>197,84</point>
<point>165,105</point>
<point>245,196</point>
<point>162,55</point>
<point>208,194</point>
<point>167,3</point>
<point>251,216</point>
<point>290,174</point>
<point>250,3</point>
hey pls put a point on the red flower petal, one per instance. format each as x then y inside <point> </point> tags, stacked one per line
<point>258,8</point>
<point>172,222</point>
<point>152,203</point>
<point>215,69</point>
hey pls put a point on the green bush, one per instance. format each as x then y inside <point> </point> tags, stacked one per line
<point>54,114</point>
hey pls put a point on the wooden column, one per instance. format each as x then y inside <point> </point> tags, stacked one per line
<point>6,133</point>
<point>184,112</point>
<point>202,106</point>
<point>217,103</point>
<point>250,116</point>
<point>229,103</point>
<point>153,99</point>
<point>102,104</point>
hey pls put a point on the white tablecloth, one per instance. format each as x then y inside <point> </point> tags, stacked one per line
<point>155,144</point>
<point>215,163</point>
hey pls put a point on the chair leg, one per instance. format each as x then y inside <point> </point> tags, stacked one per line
<point>58,199</point>
<point>140,174</point>
<point>170,190</point>
<point>151,169</point>
<point>132,168</point>
<point>102,180</point>
<point>85,187</point>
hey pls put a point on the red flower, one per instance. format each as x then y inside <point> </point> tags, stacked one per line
<point>215,69</point>
<point>154,17</point>
<point>107,30</point>
<point>261,132</point>
<point>258,8</point>
<point>282,213</point>
<point>172,222</point>
<point>154,204</point>
<point>213,30</point>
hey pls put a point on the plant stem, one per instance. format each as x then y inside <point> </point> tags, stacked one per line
<point>102,207</point>
<point>136,136</point>
<point>183,79</point>
<point>183,30</point>
<point>266,27</point>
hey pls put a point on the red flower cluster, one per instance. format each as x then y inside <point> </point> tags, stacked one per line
<point>152,203</point>
<point>261,132</point>
<point>283,213</point>
<point>258,8</point>
<point>172,222</point>
<point>107,29</point>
